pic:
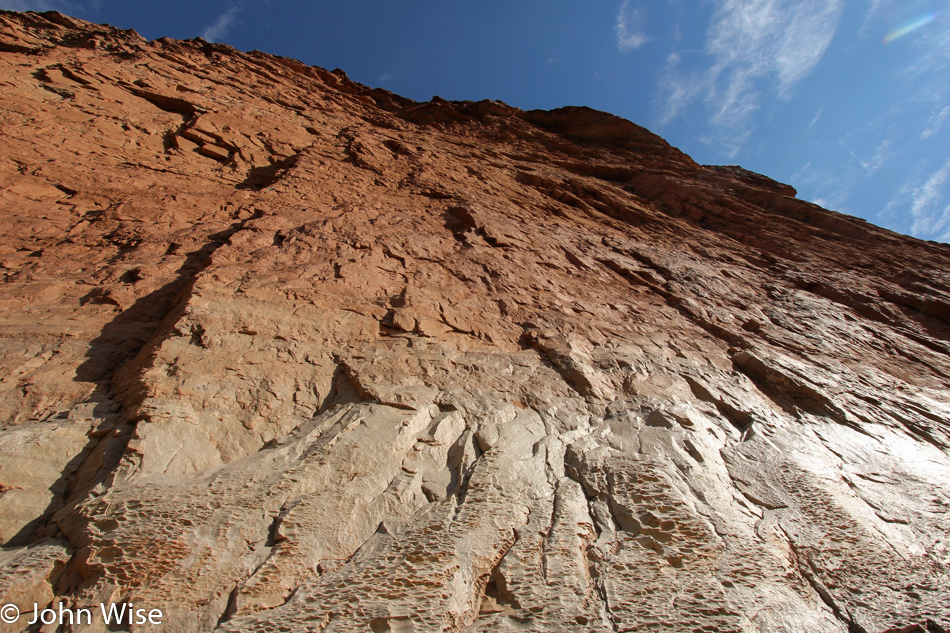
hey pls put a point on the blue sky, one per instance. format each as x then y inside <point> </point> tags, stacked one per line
<point>846,100</point>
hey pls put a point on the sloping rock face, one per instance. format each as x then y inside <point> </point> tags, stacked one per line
<point>284,353</point>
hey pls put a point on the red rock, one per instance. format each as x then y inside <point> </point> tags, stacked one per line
<point>215,152</point>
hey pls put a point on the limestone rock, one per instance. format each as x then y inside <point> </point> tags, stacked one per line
<point>281,352</point>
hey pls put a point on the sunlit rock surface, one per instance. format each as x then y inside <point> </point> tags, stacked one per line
<point>281,352</point>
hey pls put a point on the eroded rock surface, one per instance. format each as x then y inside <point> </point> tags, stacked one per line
<point>281,352</point>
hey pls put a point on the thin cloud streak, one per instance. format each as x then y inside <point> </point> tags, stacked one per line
<point>754,48</point>
<point>874,11</point>
<point>935,123</point>
<point>929,213</point>
<point>923,195</point>
<point>679,91</point>
<point>926,200</point>
<point>629,28</point>
<point>217,30</point>
<point>880,156</point>
<point>828,190</point>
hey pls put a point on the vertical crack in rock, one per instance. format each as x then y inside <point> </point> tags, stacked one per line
<point>94,462</point>
<point>742,420</point>
<point>124,377</point>
<point>809,572</point>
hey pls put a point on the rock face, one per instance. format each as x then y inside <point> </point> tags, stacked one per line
<point>281,352</point>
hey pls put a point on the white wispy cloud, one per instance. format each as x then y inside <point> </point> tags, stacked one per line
<point>678,90</point>
<point>826,188</point>
<point>923,196</point>
<point>931,66</point>
<point>935,122</point>
<point>629,27</point>
<point>877,159</point>
<point>217,30</point>
<point>929,219</point>
<point>875,9</point>
<point>754,48</point>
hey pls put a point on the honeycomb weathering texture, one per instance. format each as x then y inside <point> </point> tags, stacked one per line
<point>281,352</point>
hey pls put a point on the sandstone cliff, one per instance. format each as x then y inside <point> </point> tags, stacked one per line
<point>281,352</point>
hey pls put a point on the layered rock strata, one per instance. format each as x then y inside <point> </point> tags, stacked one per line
<point>281,352</point>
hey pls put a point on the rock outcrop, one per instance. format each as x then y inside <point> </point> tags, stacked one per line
<point>281,352</point>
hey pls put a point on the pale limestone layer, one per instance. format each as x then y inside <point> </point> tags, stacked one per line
<point>281,352</point>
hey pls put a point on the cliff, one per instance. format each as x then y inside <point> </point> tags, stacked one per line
<point>281,352</point>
